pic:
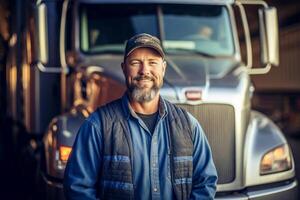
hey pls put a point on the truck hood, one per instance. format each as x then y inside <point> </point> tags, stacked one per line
<point>182,70</point>
<point>196,70</point>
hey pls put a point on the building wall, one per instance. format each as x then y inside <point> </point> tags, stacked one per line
<point>277,93</point>
<point>285,77</point>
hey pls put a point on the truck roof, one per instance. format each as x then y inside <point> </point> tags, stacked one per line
<point>212,2</point>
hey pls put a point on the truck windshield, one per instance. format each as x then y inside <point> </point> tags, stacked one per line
<point>203,29</point>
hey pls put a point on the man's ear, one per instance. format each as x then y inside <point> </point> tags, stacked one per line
<point>164,67</point>
<point>123,67</point>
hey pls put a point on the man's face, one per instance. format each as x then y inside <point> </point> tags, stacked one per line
<point>144,70</point>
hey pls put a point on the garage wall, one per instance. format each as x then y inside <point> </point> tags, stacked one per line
<point>287,75</point>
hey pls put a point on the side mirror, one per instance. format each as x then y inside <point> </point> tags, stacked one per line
<point>42,33</point>
<point>268,26</point>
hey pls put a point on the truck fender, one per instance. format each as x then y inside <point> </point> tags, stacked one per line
<point>62,131</point>
<point>262,136</point>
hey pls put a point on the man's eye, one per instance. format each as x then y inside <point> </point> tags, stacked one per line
<point>153,63</point>
<point>135,63</point>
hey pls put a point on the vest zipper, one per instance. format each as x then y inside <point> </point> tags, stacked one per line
<point>171,157</point>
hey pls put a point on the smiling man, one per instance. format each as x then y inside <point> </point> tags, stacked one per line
<point>141,146</point>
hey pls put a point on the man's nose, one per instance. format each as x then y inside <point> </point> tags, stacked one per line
<point>144,68</point>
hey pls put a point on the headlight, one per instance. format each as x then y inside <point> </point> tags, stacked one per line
<point>276,160</point>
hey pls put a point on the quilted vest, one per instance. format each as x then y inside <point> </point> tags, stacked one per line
<point>116,175</point>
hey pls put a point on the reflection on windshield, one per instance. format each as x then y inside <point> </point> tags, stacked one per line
<point>202,29</point>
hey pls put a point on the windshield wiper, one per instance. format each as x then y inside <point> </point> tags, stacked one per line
<point>193,51</point>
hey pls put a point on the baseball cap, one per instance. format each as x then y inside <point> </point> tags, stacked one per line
<point>143,40</point>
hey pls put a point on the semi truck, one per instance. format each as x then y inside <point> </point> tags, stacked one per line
<point>64,62</point>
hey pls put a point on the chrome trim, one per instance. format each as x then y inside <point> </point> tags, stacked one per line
<point>271,191</point>
<point>269,35</point>
<point>249,66</point>
<point>259,193</point>
<point>93,68</point>
<point>62,35</point>
<point>247,34</point>
<point>43,33</point>
<point>51,183</point>
<point>264,70</point>
<point>44,69</point>
<point>37,99</point>
<point>253,2</point>
<point>63,82</point>
<point>261,128</point>
<point>233,197</point>
<point>160,22</point>
<point>210,2</point>
<point>233,26</point>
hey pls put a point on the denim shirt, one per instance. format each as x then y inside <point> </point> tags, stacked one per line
<point>151,163</point>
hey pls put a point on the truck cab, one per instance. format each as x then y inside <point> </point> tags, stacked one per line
<point>206,74</point>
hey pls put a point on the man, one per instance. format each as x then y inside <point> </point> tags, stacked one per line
<point>141,146</point>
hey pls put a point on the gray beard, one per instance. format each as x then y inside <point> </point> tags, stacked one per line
<point>140,95</point>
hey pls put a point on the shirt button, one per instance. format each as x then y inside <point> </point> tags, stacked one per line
<point>155,189</point>
<point>154,165</point>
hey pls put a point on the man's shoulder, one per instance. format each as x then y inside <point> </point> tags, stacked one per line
<point>95,117</point>
<point>110,108</point>
<point>192,120</point>
<point>171,105</point>
<point>177,108</point>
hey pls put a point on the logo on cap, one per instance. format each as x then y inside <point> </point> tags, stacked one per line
<point>142,40</point>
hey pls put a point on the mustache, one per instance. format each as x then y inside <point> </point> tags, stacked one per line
<point>143,77</point>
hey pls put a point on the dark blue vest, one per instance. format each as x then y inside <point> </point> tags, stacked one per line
<point>117,142</point>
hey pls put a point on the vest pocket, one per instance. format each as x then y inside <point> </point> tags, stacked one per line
<point>116,171</point>
<point>183,169</point>
<point>116,190</point>
<point>116,185</point>
<point>116,158</point>
<point>116,180</point>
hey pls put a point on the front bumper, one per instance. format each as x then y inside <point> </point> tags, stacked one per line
<point>53,188</point>
<point>286,190</point>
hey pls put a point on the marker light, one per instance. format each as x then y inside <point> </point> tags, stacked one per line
<point>276,160</point>
<point>64,153</point>
<point>193,95</point>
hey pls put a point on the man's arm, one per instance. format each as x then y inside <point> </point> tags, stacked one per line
<point>82,171</point>
<point>205,174</point>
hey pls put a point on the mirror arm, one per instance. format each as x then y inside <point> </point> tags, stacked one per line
<point>263,70</point>
<point>253,2</point>
<point>62,54</point>
<point>251,70</point>
<point>62,47</point>
<point>56,70</point>
<point>247,34</point>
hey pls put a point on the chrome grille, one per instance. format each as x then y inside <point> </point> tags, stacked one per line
<point>218,123</point>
